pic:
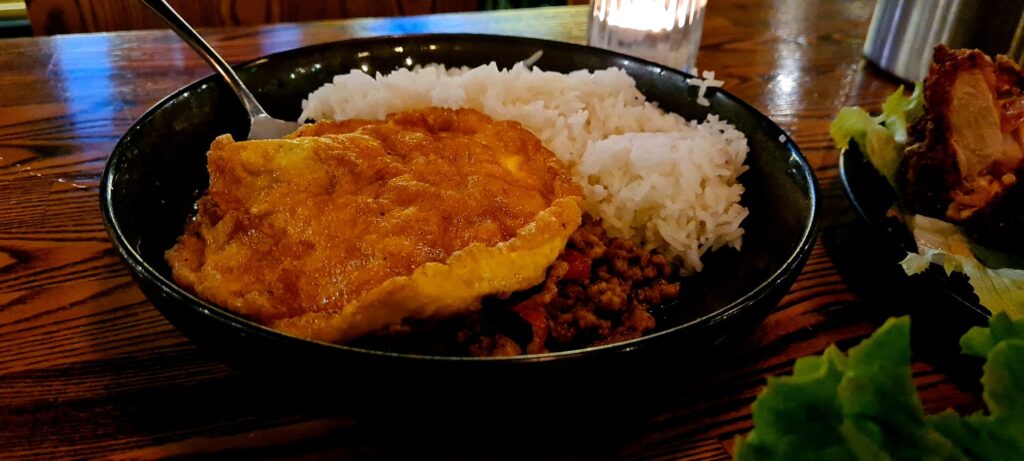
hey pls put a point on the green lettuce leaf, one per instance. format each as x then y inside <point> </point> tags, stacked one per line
<point>882,137</point>
<point>979,341</point>
<point>860,406</point>
<point>799,416</point>
<point>880,401</point>
<point>941,243</point>
<point>851,123</point>
<point>863,406</point>
<point>899,110</point>
<point>999,433</point>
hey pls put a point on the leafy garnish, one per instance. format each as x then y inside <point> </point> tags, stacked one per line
<point>863,406</point>
<point>899,110</point>
<point>851,123</point>
<point>882,137</point>
<point>999,434</point>
<point>941,243</point>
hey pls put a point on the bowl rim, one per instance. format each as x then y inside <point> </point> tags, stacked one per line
<point>141,268</point>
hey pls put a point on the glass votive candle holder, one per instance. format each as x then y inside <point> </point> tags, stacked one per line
<point>664,31</point>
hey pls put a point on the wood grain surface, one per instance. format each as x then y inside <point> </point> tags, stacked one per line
<point>50,17</point>
<point>89,369</point>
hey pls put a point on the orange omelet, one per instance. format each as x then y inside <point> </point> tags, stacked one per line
<point>348,227</point>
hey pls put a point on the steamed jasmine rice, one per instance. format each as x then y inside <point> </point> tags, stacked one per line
<point>651,176</point>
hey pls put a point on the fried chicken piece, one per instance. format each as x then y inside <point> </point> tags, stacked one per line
<point>966,150</point>
<point>348,227</point>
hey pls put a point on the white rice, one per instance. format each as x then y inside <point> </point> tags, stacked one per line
<point>703,84</point>
<point>651,176</point>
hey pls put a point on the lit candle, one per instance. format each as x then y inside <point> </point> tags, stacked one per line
<point>663,31</point>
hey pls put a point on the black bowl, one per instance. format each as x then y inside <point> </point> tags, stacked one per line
<point>158,170</point>
<point>872,197</point>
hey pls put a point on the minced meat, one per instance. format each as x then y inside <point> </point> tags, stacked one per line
<point>597,292</point>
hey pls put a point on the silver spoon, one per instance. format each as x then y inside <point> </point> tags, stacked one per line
<point>262,125</point>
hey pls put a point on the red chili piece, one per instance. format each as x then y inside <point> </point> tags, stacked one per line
<point>533,313</point>
<point>579,266</point>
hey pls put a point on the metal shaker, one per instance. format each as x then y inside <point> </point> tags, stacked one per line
<point>903,32</point>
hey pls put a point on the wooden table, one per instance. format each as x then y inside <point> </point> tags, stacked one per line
<point>88,368</point>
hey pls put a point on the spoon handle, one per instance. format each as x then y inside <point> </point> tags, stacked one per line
<point>190,36</point>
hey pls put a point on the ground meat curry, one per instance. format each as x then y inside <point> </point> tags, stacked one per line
<point>598,292</point>
<point>369,230</point>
